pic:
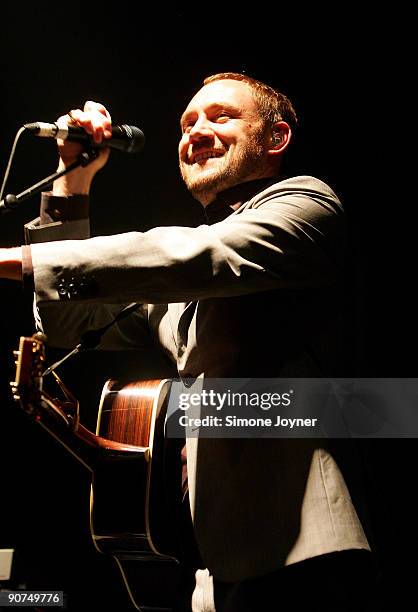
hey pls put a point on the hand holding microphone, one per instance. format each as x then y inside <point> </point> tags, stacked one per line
<point>78,164</point>
<point>91,125</point>
<point>95,120</point>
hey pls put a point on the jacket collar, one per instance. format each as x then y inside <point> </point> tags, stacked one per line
<point>229,200</point>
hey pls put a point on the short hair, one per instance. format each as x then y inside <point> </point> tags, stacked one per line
<point>273,105</point>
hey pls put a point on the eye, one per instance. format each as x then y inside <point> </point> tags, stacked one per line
<point>223,116</point>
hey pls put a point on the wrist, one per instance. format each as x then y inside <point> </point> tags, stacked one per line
<point>78,181</point>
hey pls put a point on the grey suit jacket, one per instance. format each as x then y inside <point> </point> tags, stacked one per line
<point>250,296</point>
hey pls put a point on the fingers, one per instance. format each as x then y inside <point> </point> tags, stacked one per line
<point>94,119</point>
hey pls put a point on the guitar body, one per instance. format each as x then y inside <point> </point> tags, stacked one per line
<point>135,501</point>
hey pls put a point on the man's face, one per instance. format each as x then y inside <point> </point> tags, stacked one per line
<point>224,141</point>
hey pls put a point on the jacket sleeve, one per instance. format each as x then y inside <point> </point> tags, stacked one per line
<point>288,236</point>
<point>68,218</point>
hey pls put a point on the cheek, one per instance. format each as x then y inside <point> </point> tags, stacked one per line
<point>183,147</point>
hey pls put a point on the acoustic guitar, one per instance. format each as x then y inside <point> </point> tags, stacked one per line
<point>133,501</point>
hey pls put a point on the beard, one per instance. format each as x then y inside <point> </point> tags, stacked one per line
<point>219,173</point>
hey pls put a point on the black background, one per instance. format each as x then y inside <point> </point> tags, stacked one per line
<point>350,84</point>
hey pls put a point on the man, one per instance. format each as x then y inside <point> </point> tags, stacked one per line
<point>252,293</point>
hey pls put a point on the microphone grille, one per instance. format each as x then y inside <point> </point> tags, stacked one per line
<point>136,138</point>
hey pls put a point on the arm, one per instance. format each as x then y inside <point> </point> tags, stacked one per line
<point>64,212</point>
<point>289,236</point>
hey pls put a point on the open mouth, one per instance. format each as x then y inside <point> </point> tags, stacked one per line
<point>199,157</point>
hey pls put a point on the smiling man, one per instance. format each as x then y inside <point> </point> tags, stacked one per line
<point>250,293</point>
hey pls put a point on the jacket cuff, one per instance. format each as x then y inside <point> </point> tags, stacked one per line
<point>61,218</point>
<point>63,208</point>
<point>27,271</point>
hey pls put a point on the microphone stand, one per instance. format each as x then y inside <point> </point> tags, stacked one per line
<point>11,201</point>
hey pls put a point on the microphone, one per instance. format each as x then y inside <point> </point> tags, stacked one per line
<point>126,138</point>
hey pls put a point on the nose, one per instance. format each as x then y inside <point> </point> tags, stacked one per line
<point>200,130</point>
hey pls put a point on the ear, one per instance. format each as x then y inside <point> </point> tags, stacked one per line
<point>279,138</point>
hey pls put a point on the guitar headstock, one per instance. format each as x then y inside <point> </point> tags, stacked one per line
<point>30,363</point>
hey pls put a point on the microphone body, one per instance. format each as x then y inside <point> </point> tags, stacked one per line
<point>126,138</point>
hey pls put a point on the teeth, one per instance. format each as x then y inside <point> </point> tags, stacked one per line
<point>206,155</point>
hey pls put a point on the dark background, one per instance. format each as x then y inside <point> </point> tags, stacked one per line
<point>349,83</point>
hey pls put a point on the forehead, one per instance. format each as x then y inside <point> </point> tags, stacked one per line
<point>228,91</point>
